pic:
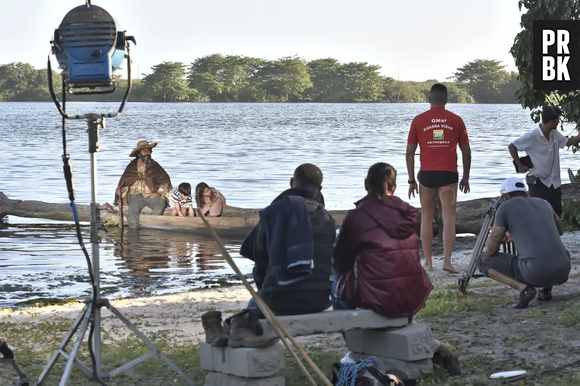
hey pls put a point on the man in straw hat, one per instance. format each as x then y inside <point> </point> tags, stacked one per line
<point>542,259</point>
<point>144,183</point>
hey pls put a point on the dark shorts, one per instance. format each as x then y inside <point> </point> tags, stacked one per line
<point>436,179</point>
<point>504,263</point>
<point>551,194</point>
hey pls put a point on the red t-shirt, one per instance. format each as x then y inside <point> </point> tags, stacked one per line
<point>437,132</point>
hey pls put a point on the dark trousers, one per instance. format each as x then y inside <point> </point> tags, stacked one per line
<point>550,194</point>
<point>138,202</point>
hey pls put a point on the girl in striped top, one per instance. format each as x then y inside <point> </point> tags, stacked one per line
<point>209,200</point>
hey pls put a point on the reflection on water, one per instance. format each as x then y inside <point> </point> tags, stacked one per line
<point>45,260</point>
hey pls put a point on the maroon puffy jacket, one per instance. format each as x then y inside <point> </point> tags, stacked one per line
<point>377,257</point>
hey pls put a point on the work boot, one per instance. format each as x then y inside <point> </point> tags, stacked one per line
<point>247,331</point>
<point>212,325</point>
<point>545,294</point>
<point>5,350</point>
<point>526,296</point>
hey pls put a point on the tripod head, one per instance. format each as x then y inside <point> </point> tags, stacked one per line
<point>90,46</point>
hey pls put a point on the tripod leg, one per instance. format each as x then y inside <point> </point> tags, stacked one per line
<point>77,345</point>
<point>155,350</point>
<point>61,346</point>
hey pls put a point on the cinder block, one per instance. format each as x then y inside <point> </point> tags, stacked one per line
<point>403,369</point>
<point>243,362</point>
<point>410,343</point>
<point>219,379</point>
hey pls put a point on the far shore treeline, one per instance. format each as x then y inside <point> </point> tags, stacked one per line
<point>232,78</point>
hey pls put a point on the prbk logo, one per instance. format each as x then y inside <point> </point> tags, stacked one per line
<point>556,55</point>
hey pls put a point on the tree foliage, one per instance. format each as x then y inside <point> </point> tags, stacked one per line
<point>234,78</point>
<point>484,79</point>
<point>522,51</point>
<point>167,82</point>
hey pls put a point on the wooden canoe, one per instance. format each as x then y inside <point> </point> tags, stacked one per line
<point>236,222</point>
<point>227,226</point>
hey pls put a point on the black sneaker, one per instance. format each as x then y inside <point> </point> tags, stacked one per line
<point>545,294</point>
<point>526,296</point>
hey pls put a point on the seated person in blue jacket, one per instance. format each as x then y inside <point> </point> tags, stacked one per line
<point>292,248</point>
<point>542,259</point>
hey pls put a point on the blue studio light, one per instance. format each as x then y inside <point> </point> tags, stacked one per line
<point>89,46</point>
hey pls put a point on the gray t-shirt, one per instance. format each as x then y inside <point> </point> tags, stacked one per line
<point>543,259</point>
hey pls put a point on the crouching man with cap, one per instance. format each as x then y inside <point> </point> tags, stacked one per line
<point>144,183</point>
<point>542,260</point>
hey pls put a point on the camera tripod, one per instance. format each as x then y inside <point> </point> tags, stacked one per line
<point>508,247</point>
<point>91,313</point>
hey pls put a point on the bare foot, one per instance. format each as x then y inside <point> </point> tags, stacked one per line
<point>428,267</point>
<point>450,269</point>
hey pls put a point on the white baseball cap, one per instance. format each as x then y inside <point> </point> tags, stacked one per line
<point>513,184</point>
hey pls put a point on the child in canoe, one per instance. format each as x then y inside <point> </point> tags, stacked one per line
<point>209,200</point>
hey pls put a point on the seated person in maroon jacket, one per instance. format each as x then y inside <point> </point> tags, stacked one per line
<point>376,256</point>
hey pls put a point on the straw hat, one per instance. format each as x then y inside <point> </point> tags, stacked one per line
<point>142,145</point>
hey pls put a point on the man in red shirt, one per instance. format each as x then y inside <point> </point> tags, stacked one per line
<point>438,132</point>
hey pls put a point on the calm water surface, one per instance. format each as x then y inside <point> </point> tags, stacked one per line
<point>247,151</point>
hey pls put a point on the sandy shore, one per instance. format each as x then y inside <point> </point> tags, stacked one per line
<point>180,313</point>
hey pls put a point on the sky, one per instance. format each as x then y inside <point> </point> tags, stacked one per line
<point>411,40</point>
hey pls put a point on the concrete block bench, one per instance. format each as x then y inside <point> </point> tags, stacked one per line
<point>397,343</point>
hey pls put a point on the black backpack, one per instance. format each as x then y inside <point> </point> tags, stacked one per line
<point>367,372</point>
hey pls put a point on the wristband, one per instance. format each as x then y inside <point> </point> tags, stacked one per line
<point>411,182</point>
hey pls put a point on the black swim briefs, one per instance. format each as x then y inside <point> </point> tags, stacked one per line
<point>436,179</point>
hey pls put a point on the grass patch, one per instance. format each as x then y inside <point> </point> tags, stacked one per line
<point>473,284</point>
<point>208,309</point>
<point>446,303</point>
<point>34,343</point>
<point>535,313</point>
<point>46,302</point>
<point>571,316</point>
<point>232,311</point>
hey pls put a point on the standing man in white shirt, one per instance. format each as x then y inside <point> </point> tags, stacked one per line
<point>542,144</point>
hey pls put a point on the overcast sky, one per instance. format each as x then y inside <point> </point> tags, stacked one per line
<point>410,40</point>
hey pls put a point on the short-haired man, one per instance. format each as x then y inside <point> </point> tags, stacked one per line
<point>438,132</point>
<point>542,144</point>
<point>143,183</point>
<point>292,247</point>
<point>542,260</point>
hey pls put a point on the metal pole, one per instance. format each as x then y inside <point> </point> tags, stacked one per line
<point>95,225</point>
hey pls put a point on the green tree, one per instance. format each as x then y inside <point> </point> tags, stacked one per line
<point>22,82</point>
<point>225,78</point>
<point>484,79</point>
<point>457,93</point>
<point>522,51</point>
<point>327,80</point>
<point>167,82</point>
<point>287,77</point>
<point>362,82</point>
<point>396,91</point>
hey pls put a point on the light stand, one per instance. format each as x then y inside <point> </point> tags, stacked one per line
<point>91,313</point>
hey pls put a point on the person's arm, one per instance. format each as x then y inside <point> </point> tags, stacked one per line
<point>410,157</point>
<point>343,256</point>
<point>178,208</point>
<point>463,142</point>
<point>254,247</point>
<point>559,224</point>
<point>514,153</point>
<point>520,144</point>
<point>572,141</point>
<point>494,240</point>
<point>466,159</point>
<point>223,199</point>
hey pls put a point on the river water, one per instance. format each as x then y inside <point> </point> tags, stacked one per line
<point>247,151</point>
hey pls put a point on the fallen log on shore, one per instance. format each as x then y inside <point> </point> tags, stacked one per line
<point>234,222</point>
